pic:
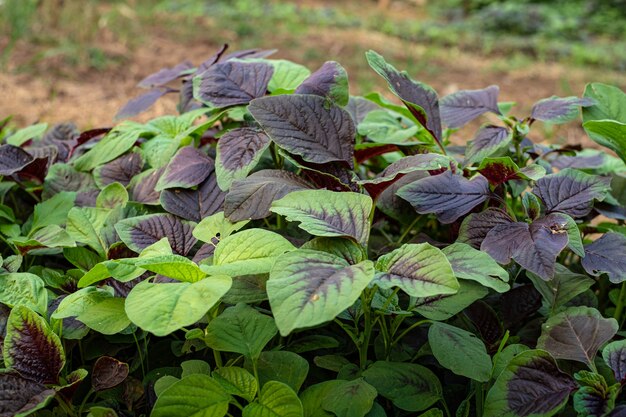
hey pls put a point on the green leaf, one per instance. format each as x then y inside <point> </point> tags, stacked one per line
<point>85,224</point>
<point>380,126</point>
<point>502,359</point>
<point>328,213</point>
<point>562,288</point>
<point>531,386</point>
<point>237,381</point>
<point>576,334</point>
<point>194,366</point>
<point>52,211</point>
<point>470,263</point>
<point>608,133</point>
<point>216,226</point>
<point>107,316</point>
<point>24,135</point>
<point>252,251</point>
<point>347,249</point>
<point>307,288</point>
<point>460,351</point>
<point>23,289</point>
<point>118,269</point>
<point>172,266</point>
<point>195,395</point>
<point>594,397</point>
<point>283,366</point>
<point>275,400</point>
<point>287,75</point>
<point>112,196</point>
<point>610,103</point>
<point>409,386</point>
<point>314,397</point>
<point>166,307</point>
<point>442,307</point>
<point>351,399</point>
<point>101,412</point>
<point>77,302</point>
<point>115,143</point>
<point>420,270</point>
<point>241,329</point>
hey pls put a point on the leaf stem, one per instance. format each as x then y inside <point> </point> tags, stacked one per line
<point>409,329</point>
<point>408,230</point>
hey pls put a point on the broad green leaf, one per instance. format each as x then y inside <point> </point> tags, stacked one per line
<point>172,266</point>
<point>194,366</point>
<point>196,395</point>
<point>85,224</point>
<point>307,288</point>
<point>610,103</point>
<point>216,226</point>
<point>32,348</point>
<point>594,397</point>
<point>107,316</point>
<point>344,248</point>
<point>77,302</point>
<point>283,366</point>
<point>252,251</point>
<point>97,411</point>
<point>118,269</point>
<point>442,307</point>
<point>562,288</point>
<point>51,236</point>
<point>531,386</point>
<point>237,381</point>
<point>241,329</point>
<point>409,386</point>
<point>81,257</point>
<point>287,75</point>
<point>23,289</point>
<point>502,359</point>
<point>115,143</point>
<point>24,135</point>
<point>112,196</point>
<point>576,334</point>
<point>381,126</point>
<point>52,211</point>
<point>470,263</point>
<point>314,397</point>
<point>275,400</point>
<point>420,270</point>
<point>328,213</point>
<point>608,133</point>
<point>351,399</point>
<point>460,351</point>
<point>166,307</point>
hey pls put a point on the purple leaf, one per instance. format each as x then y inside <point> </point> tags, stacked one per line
<point>330,81</point>
<point>107,373</point>
<point>63,177</point>
<point>234,82</point>
<point>31,348</point>
<point>576,334</point>
<point>140,232</point>
<point>121,170</point>
<point>13,159</point>
<point>140,103</point>
<point>476,226</point>
<point>447,195</point>
<point>252,197</point>
<point>249,54</point>
<point>308,126</point>
<point>462,107</point>
<point>358,107</point>
<point>165,75</point>
<point>238,151</point>
<point>488,141</point>
<point>142,186</point>
<point>503,169</point>
<point>204,65</point>
<point>189,166</point>
<point>486,321</point>
<point>614,355</point>
<point>594,160</point>
<point>571,191</point>
<point>205,251</point>
<point>559,110</point>
<point>535,246</point>
<point>530,385</point>
<point>518,304</point>
<point>607,255</point>
<point>20,396</point>
<point>420,99</point>
<point>196,204</point>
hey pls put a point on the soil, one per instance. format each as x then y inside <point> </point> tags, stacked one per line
<point>52,91</point>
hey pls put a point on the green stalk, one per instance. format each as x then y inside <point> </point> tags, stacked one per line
<point>620,303</point>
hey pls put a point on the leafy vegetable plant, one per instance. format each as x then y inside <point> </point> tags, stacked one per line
<point>282,248</point>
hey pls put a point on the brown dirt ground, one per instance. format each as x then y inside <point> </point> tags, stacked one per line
<point>52,93</point>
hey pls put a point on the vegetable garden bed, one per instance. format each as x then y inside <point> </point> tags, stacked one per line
<point>282,248</point>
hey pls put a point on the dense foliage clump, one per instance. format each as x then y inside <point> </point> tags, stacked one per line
<point>282,248</point>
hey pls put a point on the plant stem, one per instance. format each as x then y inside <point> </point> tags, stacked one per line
<point>408,230</point>
<point>367,330</point>
<point>409,329</point>
<point>620,303</point>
